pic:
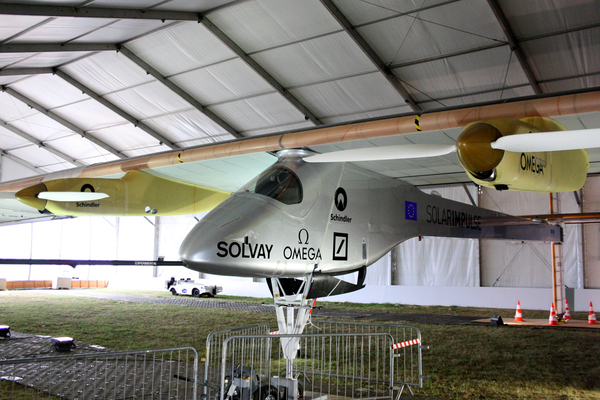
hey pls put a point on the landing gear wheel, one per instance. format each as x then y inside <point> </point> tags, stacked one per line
<point>268,392</point>
<point>174,292</point>
<point>195,292</point>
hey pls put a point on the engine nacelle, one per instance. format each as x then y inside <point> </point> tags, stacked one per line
<point>557,171</point>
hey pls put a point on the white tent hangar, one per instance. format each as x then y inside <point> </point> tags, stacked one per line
<point>86,82</point>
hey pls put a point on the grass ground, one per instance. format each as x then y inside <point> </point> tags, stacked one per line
<point>464,361</point>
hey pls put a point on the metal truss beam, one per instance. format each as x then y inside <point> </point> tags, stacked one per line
<point>62,121</point>
<point>370,53</point>
<point>55,47</point>
<point>308,115</point>
<point>22,162</point>
<point>96,12</point>
<point>448,55</point>
<point>514,45</point>
<point>40,144</point>
<point>179,91</point>
<point>24,71</point>
<point>137,123</point>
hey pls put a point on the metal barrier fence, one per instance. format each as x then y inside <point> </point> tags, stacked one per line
<point>214,350</point>
<point>345,360</point>
<point>145,374</point>
<point>407,355</point>
<point>333,360</point>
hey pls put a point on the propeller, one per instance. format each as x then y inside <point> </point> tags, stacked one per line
<point>549,141</point>
<point>397,152</point>
<point>71,196</point>
<point>480,147</point>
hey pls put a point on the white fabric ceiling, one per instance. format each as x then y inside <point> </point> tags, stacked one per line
<point>143,76</point>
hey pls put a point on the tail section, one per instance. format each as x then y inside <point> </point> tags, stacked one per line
<point>429,215</point>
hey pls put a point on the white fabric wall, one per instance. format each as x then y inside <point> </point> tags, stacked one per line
<point>434,261</point>
<point>172,231</point>
<point>438,262</point>
<point>528,264</point>
<point>591,203</point>
<point>86,238</point>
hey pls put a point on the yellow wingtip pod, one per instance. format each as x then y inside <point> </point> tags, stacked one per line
<point>135,194</point>
<point>29,196</point>
<point>547,172</point>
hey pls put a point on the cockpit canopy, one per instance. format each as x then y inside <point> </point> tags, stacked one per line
<point>279,183</point>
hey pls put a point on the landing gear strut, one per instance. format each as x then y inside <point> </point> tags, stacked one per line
<point>290,324</point>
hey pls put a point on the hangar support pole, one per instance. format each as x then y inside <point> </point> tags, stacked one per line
<point>394,280</point>
<point>558,286</point>
<point>155,253</point>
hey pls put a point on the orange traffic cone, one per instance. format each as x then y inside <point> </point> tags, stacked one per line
<point>552,320</point>
<point>518,314</point>
<point>592,316</point>
<point>567,314</point>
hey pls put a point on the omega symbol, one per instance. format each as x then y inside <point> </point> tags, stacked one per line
<point>303,236</point>
<point>340,199</point>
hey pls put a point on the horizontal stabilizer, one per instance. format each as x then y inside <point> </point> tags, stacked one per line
<point>571,218</point>
<point>74,263</point>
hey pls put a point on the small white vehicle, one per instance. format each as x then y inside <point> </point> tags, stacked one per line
<point>191,288</point>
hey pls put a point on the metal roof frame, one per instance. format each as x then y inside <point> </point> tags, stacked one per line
<point>331,89</point>
<point>514,45</point>
<point>39,143</point>
<point>370,53</point>
<point>137,123</point>
<point>18,160</point>
<point>31,103</point>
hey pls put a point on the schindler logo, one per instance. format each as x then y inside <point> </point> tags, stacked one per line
<point>410,210</point>
<point>341,199</point>
<point>341,202</point>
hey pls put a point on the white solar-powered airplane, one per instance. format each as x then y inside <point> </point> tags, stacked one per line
<point>309,217</point>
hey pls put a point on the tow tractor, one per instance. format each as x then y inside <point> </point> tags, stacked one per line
<point>191,288</point>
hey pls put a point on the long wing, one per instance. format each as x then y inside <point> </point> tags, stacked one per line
<point>218,169</point>
<point>183,188</point>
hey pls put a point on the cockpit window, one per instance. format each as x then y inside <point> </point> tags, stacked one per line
<point>279,183</point>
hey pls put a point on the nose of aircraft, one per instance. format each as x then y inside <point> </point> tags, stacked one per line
<point>197,250</point>
<point>233,239</point>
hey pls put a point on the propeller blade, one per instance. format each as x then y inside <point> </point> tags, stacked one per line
<point>549,141</point>
<point>399,152</point>
<point>71,196</point>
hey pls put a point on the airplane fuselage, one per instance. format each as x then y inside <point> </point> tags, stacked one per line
<point>297,218</point>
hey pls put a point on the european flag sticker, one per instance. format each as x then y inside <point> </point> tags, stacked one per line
<point>410,210</point>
